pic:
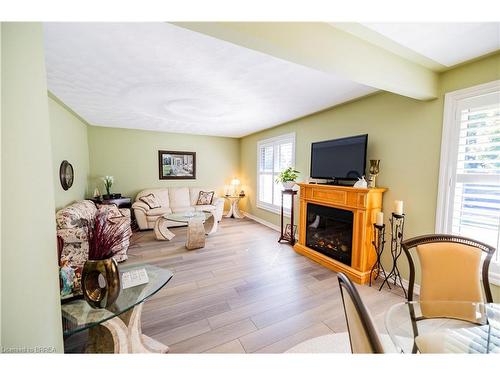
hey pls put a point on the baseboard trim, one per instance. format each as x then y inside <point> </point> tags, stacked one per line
<point>416,287</point>
<point>261,221</point>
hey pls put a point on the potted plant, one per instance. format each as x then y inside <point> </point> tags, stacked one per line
<point>100,276</point>
<point>288,177</point>
<point>108,182</point>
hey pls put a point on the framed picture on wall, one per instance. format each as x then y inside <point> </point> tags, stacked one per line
<point>177,165</point>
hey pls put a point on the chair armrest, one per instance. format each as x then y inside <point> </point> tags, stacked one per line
<point>140,206</point>
<point>218,201</point>
<point>72,235</point>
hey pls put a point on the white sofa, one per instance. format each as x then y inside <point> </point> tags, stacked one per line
<point>172,200</point>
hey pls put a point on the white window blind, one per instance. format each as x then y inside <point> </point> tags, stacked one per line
<point>469,196</point>
<point>476,202</point>
<point>273,156</point>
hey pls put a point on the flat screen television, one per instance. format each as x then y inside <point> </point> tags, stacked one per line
<point>339,159</point>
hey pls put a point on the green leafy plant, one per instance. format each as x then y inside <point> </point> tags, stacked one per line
<point>108,182</point>
<point>288,175</point>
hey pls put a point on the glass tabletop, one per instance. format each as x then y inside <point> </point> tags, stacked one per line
<point>444,327</point>
<point>184,217</point>
<point>78,315</point>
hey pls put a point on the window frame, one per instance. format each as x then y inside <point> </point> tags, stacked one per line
<point>448,161</point>
<point>268,142</point>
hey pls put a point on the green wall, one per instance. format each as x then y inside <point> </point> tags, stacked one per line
<point>31,312</point>
<point>69,142</point>
<point>131,157</point>
<point>404,133</point>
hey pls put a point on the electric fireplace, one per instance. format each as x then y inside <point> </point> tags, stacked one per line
<point>329,232</point>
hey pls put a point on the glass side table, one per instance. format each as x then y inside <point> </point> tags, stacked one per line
<point>444,327</point>
<point>117,329</point>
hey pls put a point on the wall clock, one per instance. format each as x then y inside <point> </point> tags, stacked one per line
<point>66,175</point>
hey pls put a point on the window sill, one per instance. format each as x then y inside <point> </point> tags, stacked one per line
<point>274,209</point>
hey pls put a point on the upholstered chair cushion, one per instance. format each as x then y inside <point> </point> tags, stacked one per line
<point>151,201</point>
<point>74,215</point>
<point>359,339</point>
<point>450,272</point>
<point>111,209</point>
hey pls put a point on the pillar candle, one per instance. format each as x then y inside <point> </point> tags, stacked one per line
<point>398,207</point>
<point>380,219</point>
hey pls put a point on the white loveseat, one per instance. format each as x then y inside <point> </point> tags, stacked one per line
<point>173,200</point>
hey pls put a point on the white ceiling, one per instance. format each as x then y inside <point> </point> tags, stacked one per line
<point>445,43</point>
<point>157,76</point>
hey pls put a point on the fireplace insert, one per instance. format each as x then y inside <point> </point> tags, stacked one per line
<point>329,232</point>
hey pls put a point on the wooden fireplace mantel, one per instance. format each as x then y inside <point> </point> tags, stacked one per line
<point>364,204</point>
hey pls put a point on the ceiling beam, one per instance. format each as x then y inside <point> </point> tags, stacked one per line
<point>325,48</point>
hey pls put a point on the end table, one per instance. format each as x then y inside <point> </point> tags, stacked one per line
<point>285,235</point>
<point>123,202</point>
<point>234,210</point>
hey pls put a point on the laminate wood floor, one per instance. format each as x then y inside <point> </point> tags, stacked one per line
<point>243,293</point>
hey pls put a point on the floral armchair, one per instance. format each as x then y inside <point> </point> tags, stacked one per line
<point>71,229</point>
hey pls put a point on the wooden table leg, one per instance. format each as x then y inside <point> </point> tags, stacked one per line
<point>122,335</point>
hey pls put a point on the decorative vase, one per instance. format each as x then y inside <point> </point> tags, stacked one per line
<point>288,185</point>
<point>100,282</point>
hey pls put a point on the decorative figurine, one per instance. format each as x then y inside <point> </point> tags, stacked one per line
<point>67,275</point>
<point>361,183</point>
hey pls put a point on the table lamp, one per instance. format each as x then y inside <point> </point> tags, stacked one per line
<point>235,183</point>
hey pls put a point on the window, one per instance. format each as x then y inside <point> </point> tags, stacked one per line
<point>469,186</point>
<point>273,155</point>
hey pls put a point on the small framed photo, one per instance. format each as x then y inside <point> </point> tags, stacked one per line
<point>177,165</point>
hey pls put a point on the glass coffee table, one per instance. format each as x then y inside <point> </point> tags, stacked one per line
<point>117,329</point>
<point>444,327</point>
<point>200,224</point>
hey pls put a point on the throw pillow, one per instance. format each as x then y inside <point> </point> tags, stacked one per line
<point>111,210</point>
<point>151,201</point>
<point>205,197</point>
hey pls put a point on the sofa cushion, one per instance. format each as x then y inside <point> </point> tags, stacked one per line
<point>204,207</point>
<point>179,197</point>
<point>151,201</point>
<point>182,209</point>
<point>205,197</point>
<point>158,211</point>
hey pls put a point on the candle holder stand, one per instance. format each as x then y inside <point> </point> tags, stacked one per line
<point>397,229</point>
<point>378,243</point>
